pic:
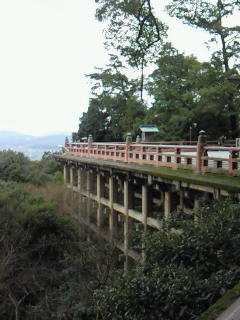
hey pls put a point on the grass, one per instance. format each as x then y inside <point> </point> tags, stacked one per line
<point>222,304</point>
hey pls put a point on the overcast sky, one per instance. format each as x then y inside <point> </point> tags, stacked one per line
<point>47,46</point>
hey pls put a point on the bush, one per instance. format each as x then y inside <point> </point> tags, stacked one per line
<point>185,272</point>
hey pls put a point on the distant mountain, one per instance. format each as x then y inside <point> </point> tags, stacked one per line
<point>8,138</point>
<point>32,146</point>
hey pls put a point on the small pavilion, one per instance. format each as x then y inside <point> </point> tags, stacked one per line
<point>148,132</point>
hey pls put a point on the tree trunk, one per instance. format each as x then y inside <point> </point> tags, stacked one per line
<point>224,53</point>
<point>142,79</point>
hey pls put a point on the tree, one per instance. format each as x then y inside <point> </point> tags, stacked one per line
<point>211,17</point>
<point>133,31</point>
<point>13,166</point>
<point>114,109</point>
<point>186,91</point>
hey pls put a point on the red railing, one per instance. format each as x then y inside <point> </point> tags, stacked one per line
<point>204,158</point>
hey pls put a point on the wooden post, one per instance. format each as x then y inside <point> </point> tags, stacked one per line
<point>65,173</point>
<point>90,141</point>
<point>216,194</point>
<point>196,209</point>
<point>79,178</point>
<point>231,164</point>
<point>177,152</point>
<point>127,146</point>
<point>71,176</point>
<point>99,209</point>
<point>126,224</point>
<point>167,204</point>
<point>202,141</point>
<point>112,216</point>
<point>181,200</point>
<point>144,206</point>
<point>88,197</point>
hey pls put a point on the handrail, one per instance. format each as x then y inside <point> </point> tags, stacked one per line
<point>199,157</point>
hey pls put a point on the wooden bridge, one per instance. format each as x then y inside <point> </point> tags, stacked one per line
<point>124,188</point>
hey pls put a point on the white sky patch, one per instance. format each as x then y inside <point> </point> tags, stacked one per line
<point>47,46</point>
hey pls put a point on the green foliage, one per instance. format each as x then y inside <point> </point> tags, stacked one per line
<point>186,91</point>
<point>44,266</point>
<point>182,90</point>
<point>185,272</point>
<point>47,269</point>
<point>114,110</point>
<point>211,17</point>
<point>133,30</point>
<point>15,166</point>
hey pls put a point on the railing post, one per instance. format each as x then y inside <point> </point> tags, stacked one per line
<point>66,143</point>
<point>128,143</point>
<point>90,141</point>
<point>232,155</point>
<point>202,141</point>
<point>176,154</point>
<point>138,139</point>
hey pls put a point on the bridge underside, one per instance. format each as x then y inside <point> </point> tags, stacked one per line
<point>118,201</point>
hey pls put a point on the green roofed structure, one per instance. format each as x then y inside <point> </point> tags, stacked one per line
<point>148,132</point>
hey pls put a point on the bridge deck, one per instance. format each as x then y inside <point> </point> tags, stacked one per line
<point>216,180</point>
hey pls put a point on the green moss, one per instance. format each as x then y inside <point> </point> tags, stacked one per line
<point>221,181</point>
<point>215,180</point>
<point>222,304</point>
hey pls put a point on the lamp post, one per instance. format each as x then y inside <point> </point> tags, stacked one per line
<point>192,126</point>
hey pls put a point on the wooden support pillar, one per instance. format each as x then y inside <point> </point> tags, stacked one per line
<point>126,224</point>
<point>79,180</point>
<point>74,176</point>
<point>88,197</point>
<point>79,207</point>
<point>146,210</point>
<point>181,200</point>
<point>71,176</point>
<point>144,206</point>
<point>167,204</point>
<point>197,203</point>
<point>144,215</point>
<point>217,194</point>
<point>113,215</point>
<point>65,168</point>
<point>99,209</point>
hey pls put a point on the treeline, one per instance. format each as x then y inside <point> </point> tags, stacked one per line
<point>180,91</point>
